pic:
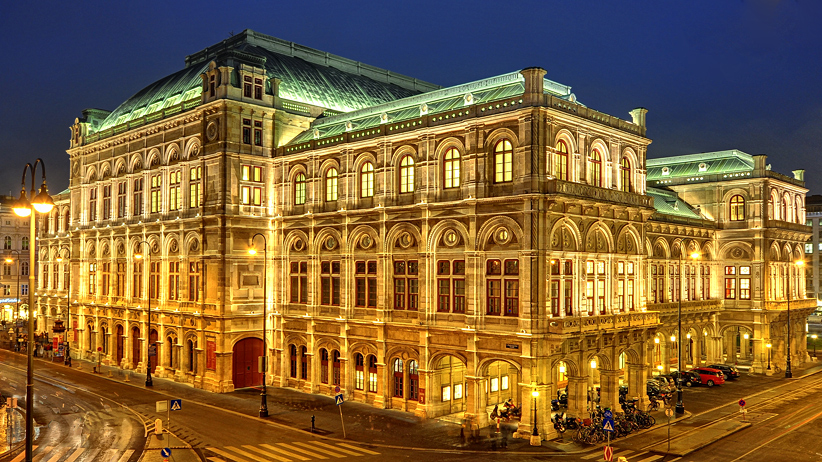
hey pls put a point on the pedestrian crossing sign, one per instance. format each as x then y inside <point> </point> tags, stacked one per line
<point>339,399</point>
<point>176,404</point>
<point>608,426</point>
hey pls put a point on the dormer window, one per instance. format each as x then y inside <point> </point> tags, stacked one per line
<point>666,171</point>
<point>254,85</point>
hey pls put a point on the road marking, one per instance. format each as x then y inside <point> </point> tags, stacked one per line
<point>292,448</point>
<point>216,459</point>
<point>111,455</point>
<point>324,451</point>
<point>227,455</point>
<point>76,454</point>
<point>358,449</point>
<point>22,455</point>
<point>126,455</point>
<point>274,455</point>
<point>344,451</point>
<point>42,453</point>
<point>596,454</point>
<point>780,435</point>
<point>253,457</point>
<point>59,454</point>
<point>651,459</point>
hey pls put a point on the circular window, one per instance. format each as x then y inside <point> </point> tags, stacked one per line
<point>211,131</point>
<point>450,238</point>
<point>366,242</point>
<point>331,243</point>
<point>299,245</point>
<point>405,240</point>
<point>502,235</point>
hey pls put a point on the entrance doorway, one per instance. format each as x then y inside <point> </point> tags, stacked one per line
<point>245,354</point>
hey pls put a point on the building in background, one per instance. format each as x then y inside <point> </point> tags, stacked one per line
<point>432,250</point>
<point>14,280</point>
<point>813,248</point>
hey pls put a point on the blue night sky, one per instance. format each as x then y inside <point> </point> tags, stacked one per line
<point>714,75</point>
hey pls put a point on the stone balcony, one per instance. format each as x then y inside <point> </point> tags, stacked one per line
<point>607,322</point>
<point>782,305</point>
<point>690,306</point>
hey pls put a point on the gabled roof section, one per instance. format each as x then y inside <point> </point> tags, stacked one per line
<point>699,165</point>
<point>431,103</point>
<point>667,202</point>
<point>307,75</point>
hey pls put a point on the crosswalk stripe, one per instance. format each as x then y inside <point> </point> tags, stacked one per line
<point>292,448</point>
<point>59,454</point>
<point>254,457</point>
<point>111,455</point>
<point>593,456</point>
<point>216,459</point>
<point>651,459</point>
<point>344,451</point>
<point>324,451</point>
<point>126,455</point>
<point>624,453</point>
<point>227,455</point>
<point>22,455</point>
<point>42,454</point>
<point>358,449</point>
<point>79,452</point>
<point>267,453</point>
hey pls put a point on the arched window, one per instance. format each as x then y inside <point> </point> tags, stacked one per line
<point>503,161</point>
<point>625,175</point>
<point>303,363</point>
<point>561,161</point>
<point>25,243</point>
<point>336,365</point>
<point>372,373</point>
<point>359,373</point>
<point>293,361</point>
<point>798,210</point>
<point>451,169</point>
<point>407,174</point>
<point>7,243</point>
<point>192,346</point>
<point>323,365</point>
<point>367,180</point>
<point>299,189</point>
<point>397,369</point>
<point>66,221</point>
<point>595,169</point>
<point>331,185</point>
<point>170,342</point>
<point>737,208</point>
<point>413,381</point>
<point>783,211</point>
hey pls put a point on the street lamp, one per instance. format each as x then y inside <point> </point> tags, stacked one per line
<point>40,203</point>
<point>67,360</point>
<point>814,337</point>
<point>768,346</point>
<point>788,373</point>
<point>535,440</point>
<point>680,405</point>
<point>17,310</point>
<point>253,251</point>
<point>138,256</point>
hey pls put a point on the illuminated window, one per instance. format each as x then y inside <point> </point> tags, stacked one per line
<point>595,169</point>
<point>331,185</point>
<point>156,192</point>
<point>398,379</point>
<point>451,169</point>
<point>407,174</point>
<point>137,197</point>
<point>372,373</point>
<point>737,208</point>
<point>299,189</point>
<point>367,180</point>
<point>494,384</point>
<point>359,371</point>
<point>504,382</point>
<point>503,161</point>
<point>174,199</point>
<point>561,161</point>
<point>625,175</point>
<point>413,381</point>
<point>458,391</point>
<point>446,393</point>
<point>194,182</point>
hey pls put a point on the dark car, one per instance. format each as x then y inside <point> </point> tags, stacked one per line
<point>651,388</point>
<point>689,379</point>
<point>730,372</point>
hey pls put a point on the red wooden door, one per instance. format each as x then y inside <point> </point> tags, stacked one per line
<point>245,370</point>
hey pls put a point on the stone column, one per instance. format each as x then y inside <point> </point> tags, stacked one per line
<point>475,416</point>
<point>637,376</point>
<point>609,388</point>
<point>577,396</point>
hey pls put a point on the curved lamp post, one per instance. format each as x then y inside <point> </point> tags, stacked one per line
<point>535,439</point>
<point>788,373</point>
<point>149,382</point>
<point>67,360</point>
<point>23,207</point>
<point>253,251</point>
<point>680,404</point>
<point>16,310</point>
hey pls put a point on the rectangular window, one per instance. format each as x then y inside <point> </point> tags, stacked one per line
<point>494,384</point>
<point>24,289</point>
<point>174,199</point>
<point>121,279</point>
<point>156,192</point>
<point>194,181</point>
<point>194,281</point>
<point>121,199</point>
<point>299,282</point>
<point>247,86</point>
<point>504,382</point>
<point>154,280</point>
<point>365,283</point>
<point>808,248</point>
<point>744,288</point>
<point>92,204</point>
<point>55,282</point>
<point>258,89</point>
<point>446,393</point>
<point>137,197</point>
<point>258,133</point>
<point>730,270</point>
<point>730,288</point>
<point>92,278</point>
<point>106,278</point>
<point>246,131</point>
<point>173,280</point>
<point>406,285</point>
<point>137,280</point>
<point>107,202</point>
<point>330,283</point>
<point>458,391</point>
<point>451,286</point>
<point>245,195</point>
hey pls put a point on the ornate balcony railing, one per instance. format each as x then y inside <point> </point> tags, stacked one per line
<point>797,304</point>
<point>691,306</point>
<point>582,324</point>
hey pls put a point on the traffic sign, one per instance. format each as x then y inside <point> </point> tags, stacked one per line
<point>669,412</point>
<point>165,452</point>
<point>742,402</point>
<point>609,453</point>
<point>608,426</point>
<point>162,406</point>
<point>608,415</point>
<point>339,399</point>
<point>176,405</point>
<point>337,389</point>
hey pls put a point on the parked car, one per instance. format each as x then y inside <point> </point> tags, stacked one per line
<point>665,382</point>
<point>689,378</point>
<point>651,388</point>
<point>709,376</point>
<point>730,372</point>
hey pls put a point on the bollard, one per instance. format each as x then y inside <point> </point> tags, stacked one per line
<point>127,379</point>
<point>312,424</point>
<point>158,427</point>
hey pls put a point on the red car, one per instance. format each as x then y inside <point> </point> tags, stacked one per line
<point>710,377</point>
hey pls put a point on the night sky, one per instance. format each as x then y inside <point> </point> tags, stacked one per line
<point>714,75</point>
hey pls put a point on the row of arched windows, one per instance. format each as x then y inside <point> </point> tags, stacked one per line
<point>596,177</point>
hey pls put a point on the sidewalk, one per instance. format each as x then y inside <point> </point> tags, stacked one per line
<point>368,425</point>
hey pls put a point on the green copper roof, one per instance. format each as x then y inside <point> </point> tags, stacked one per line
<point>307,76</point>
<point>668,203</point>
<point>699,165</point>
<point>435,102</point>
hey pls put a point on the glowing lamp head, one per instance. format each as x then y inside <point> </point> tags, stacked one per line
<point>252,251</point>
<point>659,367</point>
<point>9,260</point>
<point>138,256</point>
<point>656,339</point>
<point>746,336</point>
<point>593,364</point>
<point>814,336</point>
<point>43,202</point>
<point>21,206</point>
<point>695,255</point>
<point>673,338</point>
<point>535,393</point>
<point>800,262</point>
<point>59,259</point>
<point>767,345</point>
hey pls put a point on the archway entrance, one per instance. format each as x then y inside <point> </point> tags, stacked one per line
<point>135,347</point>
<point>502,381</point>
<point>120,339</point>
<point>244,363</point>
<point>152,340</point>
<point>737,345</point>
<point>448,381</point>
